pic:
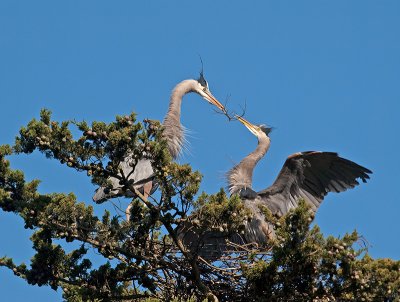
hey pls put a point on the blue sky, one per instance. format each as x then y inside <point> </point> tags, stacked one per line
<point>325,74</point>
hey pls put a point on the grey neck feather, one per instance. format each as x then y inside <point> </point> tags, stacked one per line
<point>241,175</point>
<point>173,130</point>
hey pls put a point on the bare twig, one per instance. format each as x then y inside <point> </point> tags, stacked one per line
<point>234,115</point>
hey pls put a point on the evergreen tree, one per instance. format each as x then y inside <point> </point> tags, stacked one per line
<point>144,259</point>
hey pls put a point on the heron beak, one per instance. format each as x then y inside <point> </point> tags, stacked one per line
<point>206,94</point>
<point>252,128</point>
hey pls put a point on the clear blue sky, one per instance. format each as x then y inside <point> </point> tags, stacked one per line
<point>326,74</point>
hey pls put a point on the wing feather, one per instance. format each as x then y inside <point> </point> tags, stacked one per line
<point>311,175</point>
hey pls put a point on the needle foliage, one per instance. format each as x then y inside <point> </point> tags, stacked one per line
<point>144,259</point>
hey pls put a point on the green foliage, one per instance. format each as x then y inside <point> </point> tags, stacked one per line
<point>138,248</point>
<point>305,266</point>
<point>144,259</point>
<point>219,212</point>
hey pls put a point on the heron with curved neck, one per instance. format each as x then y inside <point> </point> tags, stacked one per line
<point>308,175</point>
<point>240,177</point>
<point>142,175</point>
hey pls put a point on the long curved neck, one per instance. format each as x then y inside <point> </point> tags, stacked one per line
<point>173,130</point>
<point>241,175</point>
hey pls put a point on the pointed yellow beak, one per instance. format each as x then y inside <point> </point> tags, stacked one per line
<point>252,128</point>
<point>206,94</point>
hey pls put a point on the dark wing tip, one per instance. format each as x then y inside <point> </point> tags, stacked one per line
<point>323,172</point>
<point>311,175</point>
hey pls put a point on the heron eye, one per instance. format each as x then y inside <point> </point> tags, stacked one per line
<point>205,86</point>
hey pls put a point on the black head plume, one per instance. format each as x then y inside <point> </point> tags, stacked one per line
<point>266,129</point>
<point>203,82</point>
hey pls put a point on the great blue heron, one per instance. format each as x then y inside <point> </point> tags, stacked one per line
<point>309,175</point>
<point>141,177</point>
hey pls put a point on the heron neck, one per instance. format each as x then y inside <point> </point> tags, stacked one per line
<point>173,130</point>
<point>262,148</point>
<point>177,94</point>
<point>241,176</point>
<point>251,160</point>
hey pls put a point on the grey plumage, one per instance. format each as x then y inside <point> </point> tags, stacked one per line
<point>142,173</point>
<point>309,175</point>
<point>240,177</point>
<point>139,175</point>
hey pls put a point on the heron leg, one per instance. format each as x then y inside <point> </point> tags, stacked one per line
<point>147,189</point>
<point>128,212</point>
<point>146,193</point>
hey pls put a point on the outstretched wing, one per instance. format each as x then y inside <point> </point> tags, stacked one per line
<point>311,175</point>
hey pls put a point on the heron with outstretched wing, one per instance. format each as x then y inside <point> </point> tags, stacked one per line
<point>309,175</point>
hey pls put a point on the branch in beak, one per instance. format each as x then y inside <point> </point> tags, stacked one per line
<point>231,117</point>
<point>252,128</point>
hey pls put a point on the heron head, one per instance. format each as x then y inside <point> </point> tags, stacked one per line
<point>266,129</point>
<point>203,90</point>
<point>256,130</point>
<point>202,81</point>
